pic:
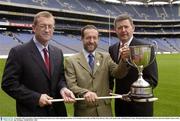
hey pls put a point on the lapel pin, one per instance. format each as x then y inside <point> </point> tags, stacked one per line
<point>98,64</point>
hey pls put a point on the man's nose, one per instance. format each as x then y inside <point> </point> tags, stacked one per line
<point>123,28</point>
<point>91,39</point>
<point>47,28</point>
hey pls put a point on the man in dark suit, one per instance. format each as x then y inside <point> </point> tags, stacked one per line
<point>34,73</point>
<point>124,28</point>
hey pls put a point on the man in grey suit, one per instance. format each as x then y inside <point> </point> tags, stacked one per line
<point>124,28</point>
<point>34,73</point>
<point>87,74</point>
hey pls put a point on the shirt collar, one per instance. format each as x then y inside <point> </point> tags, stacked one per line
<point>39,45</point>
<point>128,42</point>
<point>87,53</point>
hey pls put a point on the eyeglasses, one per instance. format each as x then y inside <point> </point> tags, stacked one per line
<point>44,27</point>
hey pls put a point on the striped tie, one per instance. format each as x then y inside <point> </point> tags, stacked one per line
<point>46,60</point>
<point>91,61</point>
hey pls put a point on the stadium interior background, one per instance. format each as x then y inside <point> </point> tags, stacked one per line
<point>158,23</point>
<point>153,22</point>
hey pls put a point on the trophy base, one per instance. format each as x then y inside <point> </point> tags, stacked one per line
<point>141,92</point>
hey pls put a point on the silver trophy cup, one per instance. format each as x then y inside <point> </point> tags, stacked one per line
<point>140,57</point>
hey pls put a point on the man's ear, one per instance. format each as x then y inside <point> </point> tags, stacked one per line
<point>33,28</point>
<point>133,28</point>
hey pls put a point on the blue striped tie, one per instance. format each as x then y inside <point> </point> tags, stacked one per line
<point>91,61</point>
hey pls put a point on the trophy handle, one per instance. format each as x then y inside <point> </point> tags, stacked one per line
<point>155,48</point>
<point>127,60</point>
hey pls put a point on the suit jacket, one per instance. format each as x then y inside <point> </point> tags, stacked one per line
<point>80,79</point>
<point>25,78</point>
<point>123,85</point>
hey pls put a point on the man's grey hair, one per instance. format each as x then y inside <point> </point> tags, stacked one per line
<point>123,17</point>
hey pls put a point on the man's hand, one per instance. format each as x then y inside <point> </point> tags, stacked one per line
<point>124,51</point>
<point>44,100</point>
<point>90,97</point>
<point>67,95</point>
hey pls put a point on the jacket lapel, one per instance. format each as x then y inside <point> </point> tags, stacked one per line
<point>116,52</point>
<point>36,56</point>
<point>52,59</point>
<point>97,63</point>
<point>83,62</point>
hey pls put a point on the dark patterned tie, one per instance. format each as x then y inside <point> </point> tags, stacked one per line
<point>46,60</point>
<point>91,61</point>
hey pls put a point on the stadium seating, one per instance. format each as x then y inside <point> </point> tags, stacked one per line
<point>70,43</point>
<point>149,12</point>
<point>6,43</point>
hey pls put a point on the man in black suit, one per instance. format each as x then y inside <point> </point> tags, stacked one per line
<point>34,73</point>
<point>124,28</point>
